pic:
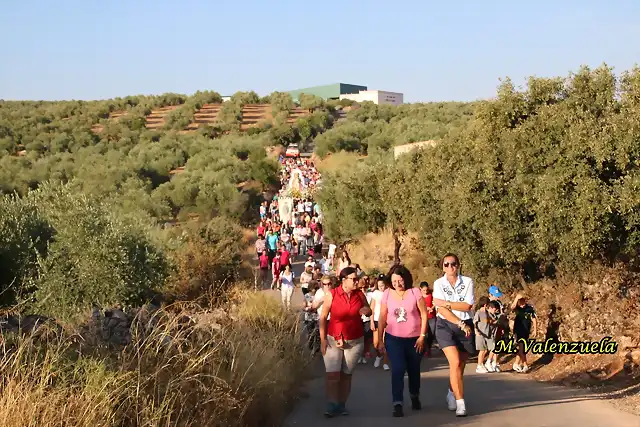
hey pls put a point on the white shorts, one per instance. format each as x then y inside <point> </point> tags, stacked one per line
<point>343,359</point>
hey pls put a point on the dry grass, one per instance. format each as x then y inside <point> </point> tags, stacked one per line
<point>195,368</point>
<point>337,161</point>
<point>374,252</point>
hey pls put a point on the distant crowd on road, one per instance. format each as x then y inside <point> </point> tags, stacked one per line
<point>282,241</point>
<point>352,317</point>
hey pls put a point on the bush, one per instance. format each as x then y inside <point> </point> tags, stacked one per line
<point>24,235</point>
<point>97,256</point>
<point>207,261</point>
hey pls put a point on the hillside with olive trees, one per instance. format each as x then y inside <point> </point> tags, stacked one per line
<point>123,230</point>
<point>537,190</point>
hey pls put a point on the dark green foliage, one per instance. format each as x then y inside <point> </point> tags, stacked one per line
<point>372,127</point>
<point>543,177</point>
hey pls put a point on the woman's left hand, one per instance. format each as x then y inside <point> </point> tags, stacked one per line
<point>419,344</point>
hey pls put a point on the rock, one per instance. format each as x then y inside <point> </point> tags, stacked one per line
<point>625,342</point>
<point>119,314</point>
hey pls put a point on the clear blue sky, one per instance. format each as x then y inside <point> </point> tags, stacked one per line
<point>429,50</point>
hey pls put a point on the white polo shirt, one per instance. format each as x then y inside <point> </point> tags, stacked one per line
<point>461,292</point>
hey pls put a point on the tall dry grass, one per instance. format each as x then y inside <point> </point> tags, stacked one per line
<point>194,368</point>
<point>374,252</point>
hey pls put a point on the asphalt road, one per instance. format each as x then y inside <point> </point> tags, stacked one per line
<point>498,399</point>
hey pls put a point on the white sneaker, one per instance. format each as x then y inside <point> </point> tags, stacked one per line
<point>489,367</point>
<point>461,408</point>
<point>385,367</point>
<point>524,369</point>
<point>496,368</point>
<point>480,369</point>
<point>517,368</point>
<point>377,363</point>
<point>363,360</point>
<point>451,401</point>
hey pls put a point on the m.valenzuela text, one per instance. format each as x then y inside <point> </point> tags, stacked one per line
<point>605,346</point>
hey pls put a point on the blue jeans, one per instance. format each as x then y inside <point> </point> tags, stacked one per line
<point>404,358</point>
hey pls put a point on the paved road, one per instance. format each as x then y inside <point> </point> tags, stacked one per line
<point>500,399</point>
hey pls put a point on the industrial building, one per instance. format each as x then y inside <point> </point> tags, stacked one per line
<point>376,96</point>
<point>357,93</point>
<point>326,92</point>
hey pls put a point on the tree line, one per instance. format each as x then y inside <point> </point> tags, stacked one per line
<point>540,179</point>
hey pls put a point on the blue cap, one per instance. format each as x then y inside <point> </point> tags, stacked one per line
<point>493,290</point>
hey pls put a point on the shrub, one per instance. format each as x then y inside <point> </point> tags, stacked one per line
<point>207,261</point>
<point>24,235</point>
<point>97,256</point>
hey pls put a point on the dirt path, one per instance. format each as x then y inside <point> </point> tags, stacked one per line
<point>500,399</point>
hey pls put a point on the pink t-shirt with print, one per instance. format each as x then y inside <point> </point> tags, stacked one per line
<point>403,318</point>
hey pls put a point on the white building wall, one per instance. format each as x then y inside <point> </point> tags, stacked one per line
<point>376,96</point>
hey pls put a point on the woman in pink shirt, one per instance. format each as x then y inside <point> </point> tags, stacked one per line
<point>403,321</point>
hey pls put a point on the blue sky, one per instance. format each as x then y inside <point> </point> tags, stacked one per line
<point>429,50</point>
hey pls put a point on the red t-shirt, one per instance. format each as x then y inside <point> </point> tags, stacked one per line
<point>260,230</point>
<point>264,260</point>
<point>428,300</point>
<point>284,257</point>
<point>345,314</point>
<point>276,266</point>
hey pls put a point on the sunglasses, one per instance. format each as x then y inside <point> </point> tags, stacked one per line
<point>452,264</point>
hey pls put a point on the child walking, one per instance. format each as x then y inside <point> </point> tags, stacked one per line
<point>493,308</point>
<point>485,326</point>
<point>524,324</point>
<point>427,294</point>
<point>311,318</point>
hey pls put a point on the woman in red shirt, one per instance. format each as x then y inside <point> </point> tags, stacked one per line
<point>342,341</point>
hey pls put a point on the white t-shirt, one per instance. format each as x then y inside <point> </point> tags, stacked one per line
<point>325,267</point>
<point>310,316</point>
<point>305,278</point>
<point>287,280</point>
<point>377,297</point>
<point>461,292</point>
<point>319,297</point>
<point>367,318</point>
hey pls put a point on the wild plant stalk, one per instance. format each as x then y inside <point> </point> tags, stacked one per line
<point>234,371</point>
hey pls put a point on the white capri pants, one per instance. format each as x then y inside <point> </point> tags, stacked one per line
<point>343,359</point>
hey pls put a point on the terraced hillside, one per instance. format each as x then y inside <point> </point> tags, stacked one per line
<point>155,120</point>
<point>114,115</point>
<point>206,115</point>
<point>252,114</point>
<point>296,113</point>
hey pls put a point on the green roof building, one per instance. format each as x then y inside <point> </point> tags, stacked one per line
<point>332,91</point>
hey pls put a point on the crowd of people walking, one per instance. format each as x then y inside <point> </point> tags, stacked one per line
<point>351,317</point>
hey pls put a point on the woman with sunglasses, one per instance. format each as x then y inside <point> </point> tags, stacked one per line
<point>453,297</point>
<point>342,340</point>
